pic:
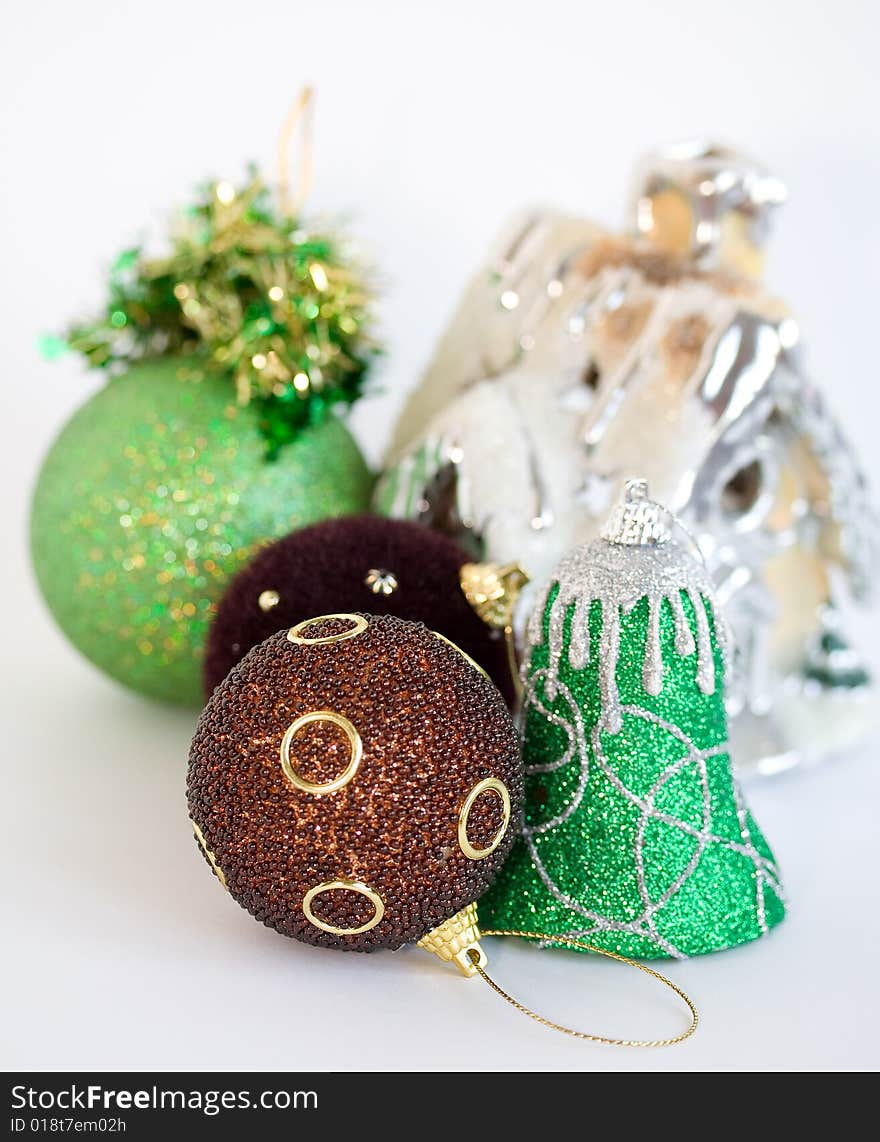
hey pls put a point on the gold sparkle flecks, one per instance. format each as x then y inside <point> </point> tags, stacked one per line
<point>134,588</point>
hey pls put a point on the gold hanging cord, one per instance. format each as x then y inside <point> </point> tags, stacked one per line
<point>583,946</point>
<point>299,115</point>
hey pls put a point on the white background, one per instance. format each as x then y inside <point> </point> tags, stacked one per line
<point>434,123</point>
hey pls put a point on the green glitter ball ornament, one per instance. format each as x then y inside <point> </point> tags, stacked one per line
<point>155,493</point>
<point>635,836</point>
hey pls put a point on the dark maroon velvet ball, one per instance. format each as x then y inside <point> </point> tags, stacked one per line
<point>359,563</point>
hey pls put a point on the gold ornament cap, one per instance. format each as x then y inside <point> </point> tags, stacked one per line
<point>492,590</point>
<point>457,940</point>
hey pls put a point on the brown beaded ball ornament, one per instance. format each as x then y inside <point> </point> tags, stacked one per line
<point>353,780</point>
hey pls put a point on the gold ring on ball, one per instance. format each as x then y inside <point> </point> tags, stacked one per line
<point>294,635</point>
<point>350,886</point>
<point>488,784</point>
<point>356,747</point>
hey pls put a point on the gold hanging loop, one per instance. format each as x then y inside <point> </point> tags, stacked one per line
<point>477,963</point>
<point>300,114</point>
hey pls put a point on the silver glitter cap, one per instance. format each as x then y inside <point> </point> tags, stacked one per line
<point>638,555</point>
<point>638,521</point>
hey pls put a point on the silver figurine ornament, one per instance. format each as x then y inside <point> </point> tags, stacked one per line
<point>578,359</point>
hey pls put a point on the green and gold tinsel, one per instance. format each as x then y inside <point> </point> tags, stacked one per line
<point>248,293</point>
<point>635,836</point>
<point>214,435</point>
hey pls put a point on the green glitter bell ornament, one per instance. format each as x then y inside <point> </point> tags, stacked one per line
<point>216,434</point>
<point>635,835</point>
